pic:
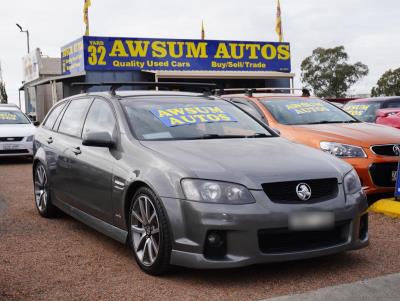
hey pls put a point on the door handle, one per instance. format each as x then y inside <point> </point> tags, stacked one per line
<point>50,140</point>
<point>77,150</point>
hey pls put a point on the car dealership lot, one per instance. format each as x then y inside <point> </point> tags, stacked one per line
<point>62,258</point>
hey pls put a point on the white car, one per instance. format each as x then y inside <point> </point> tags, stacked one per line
<point>16,132</point>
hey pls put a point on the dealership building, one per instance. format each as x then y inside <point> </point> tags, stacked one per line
<point>229,64</point>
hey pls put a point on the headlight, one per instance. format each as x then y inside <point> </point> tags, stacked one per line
<point>351,182</point>
<point>343,150</point>
<point>216,192</point>
<point>30,138</point>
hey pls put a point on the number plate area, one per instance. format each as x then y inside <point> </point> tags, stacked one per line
<point>311,221</point>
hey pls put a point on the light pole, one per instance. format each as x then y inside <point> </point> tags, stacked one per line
<point>27,35</point>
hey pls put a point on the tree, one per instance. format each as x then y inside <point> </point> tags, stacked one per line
<point>388,84</point>
<point>327,72</point>
<point>3,93</point>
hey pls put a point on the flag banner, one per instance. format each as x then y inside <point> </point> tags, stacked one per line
<point>123,54</point>
<point>278,27</point>
<point>86,6</point>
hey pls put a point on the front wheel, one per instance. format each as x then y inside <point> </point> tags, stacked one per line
<point>149,233</point>
<point>42,192</point>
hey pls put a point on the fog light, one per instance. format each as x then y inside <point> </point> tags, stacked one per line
<point>215,245</point>
<point>214,239</point>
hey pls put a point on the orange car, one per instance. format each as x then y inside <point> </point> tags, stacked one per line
<point>372,149</point>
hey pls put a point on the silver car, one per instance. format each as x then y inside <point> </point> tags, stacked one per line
<point>191,180</point>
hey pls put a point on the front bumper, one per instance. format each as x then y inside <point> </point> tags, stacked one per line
<point>375,173</point>
<point>244,225</point>
<point>16,148</point>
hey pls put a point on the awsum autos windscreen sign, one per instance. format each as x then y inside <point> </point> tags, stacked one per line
<point>124,54</point>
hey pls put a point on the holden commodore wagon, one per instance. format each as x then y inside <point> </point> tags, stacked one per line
<point>191,180</point>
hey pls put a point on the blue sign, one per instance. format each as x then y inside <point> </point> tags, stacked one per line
<point>397,190</point>
<point>177,116</point>
<point>72,58</point>
<point>127,54</point>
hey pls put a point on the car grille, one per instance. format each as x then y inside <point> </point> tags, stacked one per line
<point>385,150</point>
<point>381,174</point>
<point>285,192</point>
<point>285,240</point>
<point>10,139</point>
<point>14,151</point>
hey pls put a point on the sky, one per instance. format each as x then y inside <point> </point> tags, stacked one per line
<point>368,29</point>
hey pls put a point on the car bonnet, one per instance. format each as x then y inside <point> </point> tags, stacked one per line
<point>250,162</point>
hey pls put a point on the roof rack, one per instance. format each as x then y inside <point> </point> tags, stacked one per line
<point>203,87</point>
<point>250,91</point>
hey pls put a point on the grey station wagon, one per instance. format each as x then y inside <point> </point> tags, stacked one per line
<point>191,180</point>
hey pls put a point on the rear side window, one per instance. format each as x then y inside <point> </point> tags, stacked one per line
<point>392,104</point>
<point>100,118</point>
<point>51,119</point>
<point>72,121</point>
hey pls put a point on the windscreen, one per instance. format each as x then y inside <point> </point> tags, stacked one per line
<point>305,111</point>
<point>186,118</point>
<point>365,111</point>
<point>13,117</point>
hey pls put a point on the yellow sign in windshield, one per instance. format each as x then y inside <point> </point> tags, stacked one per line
<point>8,116</point>
<point>307,107</point>
<point>356,110</point>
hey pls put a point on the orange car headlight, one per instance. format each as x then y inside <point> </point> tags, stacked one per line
<point>343,150</point>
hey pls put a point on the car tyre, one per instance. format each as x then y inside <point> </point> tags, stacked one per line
<point>42,192</point>
<point>149,236</point>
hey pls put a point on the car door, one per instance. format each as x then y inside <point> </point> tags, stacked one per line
<point>93,166</point>
<point>68,137</point>
<point>48,140</point>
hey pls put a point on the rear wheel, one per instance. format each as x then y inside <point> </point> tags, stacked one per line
<point>42,192</point>
<point>148,233</point>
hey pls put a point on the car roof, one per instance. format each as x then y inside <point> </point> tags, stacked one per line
<point>9,108</point>
<point>276,96</point>
<point>8,105</point>
<point>382,98</point>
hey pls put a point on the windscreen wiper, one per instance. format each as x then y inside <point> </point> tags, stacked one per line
<point>258,135</point>
<point>351,121</point>
<point>326,122</point>
<point>217,136</point>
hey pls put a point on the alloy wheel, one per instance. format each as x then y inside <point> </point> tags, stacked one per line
<point>41,188</point>
<point>145,230</point>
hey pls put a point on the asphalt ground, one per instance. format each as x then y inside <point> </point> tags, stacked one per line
<point>62,259</point>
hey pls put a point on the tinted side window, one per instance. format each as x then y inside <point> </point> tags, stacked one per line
<point>100,118</point>
<point>74,116</point>
<point>51,119</point>
<point>393,104</point>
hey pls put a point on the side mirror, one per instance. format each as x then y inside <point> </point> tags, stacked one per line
<point>36,123</point>
<point>98,139</point>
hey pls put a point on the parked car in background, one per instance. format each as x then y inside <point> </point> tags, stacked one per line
<point>366,109</point>
<point>191,180</point>
<point>370,148</point>
<point>389,117</point>
<point>16,132</point>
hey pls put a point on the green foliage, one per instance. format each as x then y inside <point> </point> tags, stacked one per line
<point>388,84</point>
<point>3,93</point>
<point>327,72</point>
